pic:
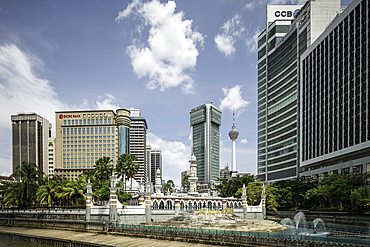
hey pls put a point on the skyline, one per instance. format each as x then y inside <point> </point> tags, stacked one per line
<point>164,58</point>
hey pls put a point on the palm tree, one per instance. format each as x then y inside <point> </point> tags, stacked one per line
<point>103,169</point>
<point>168,187</point>
<point>130,167</point>
<point>46,193</point>
<point>13,195</point>
<point>89,174</point>
<point>30,177</point>
<point>73,192</point>
<point>120,170</point>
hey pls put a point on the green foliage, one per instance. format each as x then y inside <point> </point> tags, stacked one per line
<point>103,193</point>
<point>103,169</point>
<point>185,182</point>
<point>360,199</point>
<point>72,192</point>
<point>46,193</point>
<point>229,187</point>
<point>293,192</point>
<point>168,187</point>
<point>23,194</point>
<point>333,192</point>
<point>123,196</point>
<point>254,195</point>
<point>36,190</point>
<point>361,206</point>
<point>126,165</point>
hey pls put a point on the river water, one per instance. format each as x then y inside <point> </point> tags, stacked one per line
<point>8,242</point>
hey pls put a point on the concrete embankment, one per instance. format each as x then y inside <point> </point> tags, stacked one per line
<point>82,238</point>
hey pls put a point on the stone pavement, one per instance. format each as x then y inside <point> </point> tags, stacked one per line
<point>93,237</point>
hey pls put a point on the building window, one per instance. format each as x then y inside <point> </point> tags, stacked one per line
<point>357,169</point>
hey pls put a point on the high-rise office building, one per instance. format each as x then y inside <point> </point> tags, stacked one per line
<point>335,96</point>
<point>205,121</point>
<point>82,137</point>
<point>30,133</point>
<point>51,156</point>
<point>154,162</point>
<point>138,142</point>
<point>280,46</point>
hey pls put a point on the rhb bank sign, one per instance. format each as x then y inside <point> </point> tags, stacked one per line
<point>281,12</point>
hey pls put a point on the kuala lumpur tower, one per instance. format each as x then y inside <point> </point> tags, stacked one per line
<point>233,134</point>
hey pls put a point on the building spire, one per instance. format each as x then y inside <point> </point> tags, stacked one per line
<point>233,120</point>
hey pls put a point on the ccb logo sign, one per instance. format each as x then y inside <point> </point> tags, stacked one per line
<point>283,13</point>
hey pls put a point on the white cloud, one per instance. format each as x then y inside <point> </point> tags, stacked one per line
<point>21,90</point>
<point>250,5</point>
<point>229,31</point>
<point>175,157</point>
<point>171,49</point>
<point>107,102</point>
<point>252,40</point>
<point>244,141</point>
<point>126,12</point>
<point>233,99</point>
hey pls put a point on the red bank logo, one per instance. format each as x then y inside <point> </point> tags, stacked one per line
<point>61,116</point>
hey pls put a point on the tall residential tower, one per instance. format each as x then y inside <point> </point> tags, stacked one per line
<point>138,142</point>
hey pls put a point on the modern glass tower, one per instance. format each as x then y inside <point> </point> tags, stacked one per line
<point>280,46</point>
<point>205,121</point>
<point>124,123</point>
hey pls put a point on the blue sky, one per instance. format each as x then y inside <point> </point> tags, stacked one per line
<point>162,57</point>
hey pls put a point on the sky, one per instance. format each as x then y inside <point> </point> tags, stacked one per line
<point>162,57</point>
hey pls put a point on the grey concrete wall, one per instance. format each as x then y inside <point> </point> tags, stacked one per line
<point>100,217</point>
<point>131,219</point>
<point>52,214</point>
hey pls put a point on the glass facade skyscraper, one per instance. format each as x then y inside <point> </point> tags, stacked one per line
<point>279,49</point>
<point>205,122</point>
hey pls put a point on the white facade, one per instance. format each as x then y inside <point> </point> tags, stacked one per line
<point>138,133</point>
